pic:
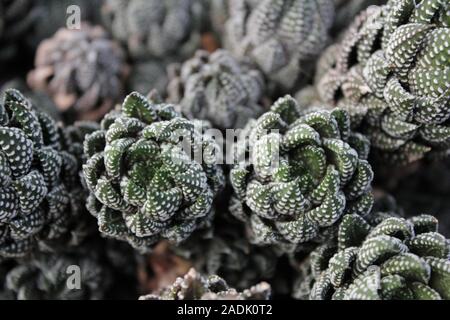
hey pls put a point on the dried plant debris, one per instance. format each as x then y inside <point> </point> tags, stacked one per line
<point>194,286</point>
<point>82,70</point>
<point>156,29</point>
<point>41,198</point>
<point>391,71</point>
<point>143,185</point>
<point>281,36</point>
<point>218,88</point>
<point>160,268</point>
<point>307,171</point>
<point>392,258</point>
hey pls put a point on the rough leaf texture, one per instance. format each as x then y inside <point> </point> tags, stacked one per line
<point>82,70</point>
<point>218,88</point>
<point>40,100</point>
<point>154,28</point>
<point>194,286</point>
<point>305,172</point>
<point>347,10</point>
<point>384,258</point>
<point>280,36</point>
<point>40,192</point>
<point>391,70</point>
<point>143,184</point>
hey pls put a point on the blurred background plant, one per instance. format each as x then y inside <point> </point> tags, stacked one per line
<point>226,62</point>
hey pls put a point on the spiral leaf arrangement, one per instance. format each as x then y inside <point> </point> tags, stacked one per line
<point>194,286</point>
<point>82,70</point>
<point>156,29</point>
<point>280,36</point>
<point>392,259</point>
<point>143,185</point>
<point>39,186</point>
<point>218,88</point>
<point>392,69</point>
<point>299,194</point>
<point>319,174</point>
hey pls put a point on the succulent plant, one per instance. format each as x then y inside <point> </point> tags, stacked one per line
<point>148,75</point>
<point>424,190</point>
<point>156,29</point>
<point>41,101</point>
<point>40,191</point>
<point>25,23</point>
<point>143,185</point>
<point>218,88</point>
<point>304,173</point>
<point>389,259</point>
<point>391,71</point>
<point>16,18</point>
<point>82,70</point>
<point>228,254</point>
<point>385,206</point>
<point>194,286</point>
<point>347,10</point>
<point>50,15</point>
<point>53,277</point>
<point>218,15</point>
<point>281,36</point>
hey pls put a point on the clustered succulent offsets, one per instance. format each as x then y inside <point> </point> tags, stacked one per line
<point>392,69</point>
<point>153,28</point>
<point>307,171</point>
<point>281,36</point>
<point>155,34</point>
<point>41,201</point>
<point>218,88</point>
<point>112,184</point>
<point>143,185</point>
<point>25,23</point>
<point>82,70</point>
<point>392,258</point>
